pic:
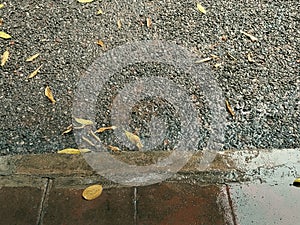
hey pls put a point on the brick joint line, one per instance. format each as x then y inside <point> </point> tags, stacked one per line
<point>44,200</point>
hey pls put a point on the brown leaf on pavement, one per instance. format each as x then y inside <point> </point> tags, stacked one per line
<point>49,94</point>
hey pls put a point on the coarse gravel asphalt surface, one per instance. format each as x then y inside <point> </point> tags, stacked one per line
<point>264,94</point>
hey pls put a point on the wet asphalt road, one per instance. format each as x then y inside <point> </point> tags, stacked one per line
<point>264,94</point>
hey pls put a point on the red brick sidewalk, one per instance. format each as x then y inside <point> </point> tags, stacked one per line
<point>166,203</point>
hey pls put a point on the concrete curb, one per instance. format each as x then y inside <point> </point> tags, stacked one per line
<point>262,165</point>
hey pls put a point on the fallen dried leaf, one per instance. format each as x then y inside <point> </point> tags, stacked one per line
<point>229,108</point>
<point>85,1</point>
<point>1,5</point>
<point>217,65</point>
<point>149,22</point>
<point>88,141</point>
<point>95,136</point>
<point>4,35</point>
<point>114,148</point>
<point>101,43</point>
<point>249,36</point>
<point>134,139</point>
<point>31,58</point>
<point>49,94</point>
<point>249,57</point>
<point>34,73</point>
<point>201,8</point>
<point>1,22</point>
<point>231,56</point>
<point>4,57</point>
<point>101,129</point>
<point>83,121</point>
<point>73,151</point>
<point>204,60</point>
<point>214,56</point>
<point>119,23</point>
<point>92,192</point>
<point>99,12</point>
<point>68,130</point>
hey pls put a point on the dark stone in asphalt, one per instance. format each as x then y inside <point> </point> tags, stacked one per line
<point>263,94</point>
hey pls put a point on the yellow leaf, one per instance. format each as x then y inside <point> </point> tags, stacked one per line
<point>4,57</point>
<point>34,73</point>
<point>73,151</point>
<point>249,56</point>
<point>99,12</point>
<point>95,136</point>
<point>229,108</point>
<point>250,36</point>
<point>217,65</point>
<point>68,130</point>
<point>1,5</point>
<point>31,58</point>
<point>149,22</point>
<point>119,23</point>
<point>101,43</point>
<point>114,148</point>
<point>201,8</point>
<point>88,141</point>
<point>49,94</point>
<point>4,35</point>
<point>134,139</point>
<point>83,121</point>
<point>92,192</point>
<point>85,1</point>
<point>101,129</point>
<point>204,60</point>
<point>296,182</point>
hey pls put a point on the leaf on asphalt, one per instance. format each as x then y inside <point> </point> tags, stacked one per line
<point>34,73</point>
<point>83,121</point>
<point>1,21</point>
<point>92,192</point>
<point>95,136</point>
<point>101,43</point>
<point>68,130</point>
<point>249,36</point>
<point>149,22</point>
<point>31,58</point>
<point>296,182</point>
<point>204,60</point>
<point>101,129</point>
<point>4,35</point>
<point>73,151</point>
<point>85,1</point>
<point>49,94</point>
<point>114,148</point>
<point>249,57</point>
<point>201,8</point>
<point>1,5</point>
<point>99,12</point>
<point>4,57</point>
<point>88,141</point>
<point>134,139</point>
<point>119,23</point>
<point>217,65</point>
<point>229,108</point>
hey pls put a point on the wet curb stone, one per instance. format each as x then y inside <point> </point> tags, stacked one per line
<point>46,189</point>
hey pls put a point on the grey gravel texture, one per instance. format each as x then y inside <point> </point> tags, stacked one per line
<point>264,94</point>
